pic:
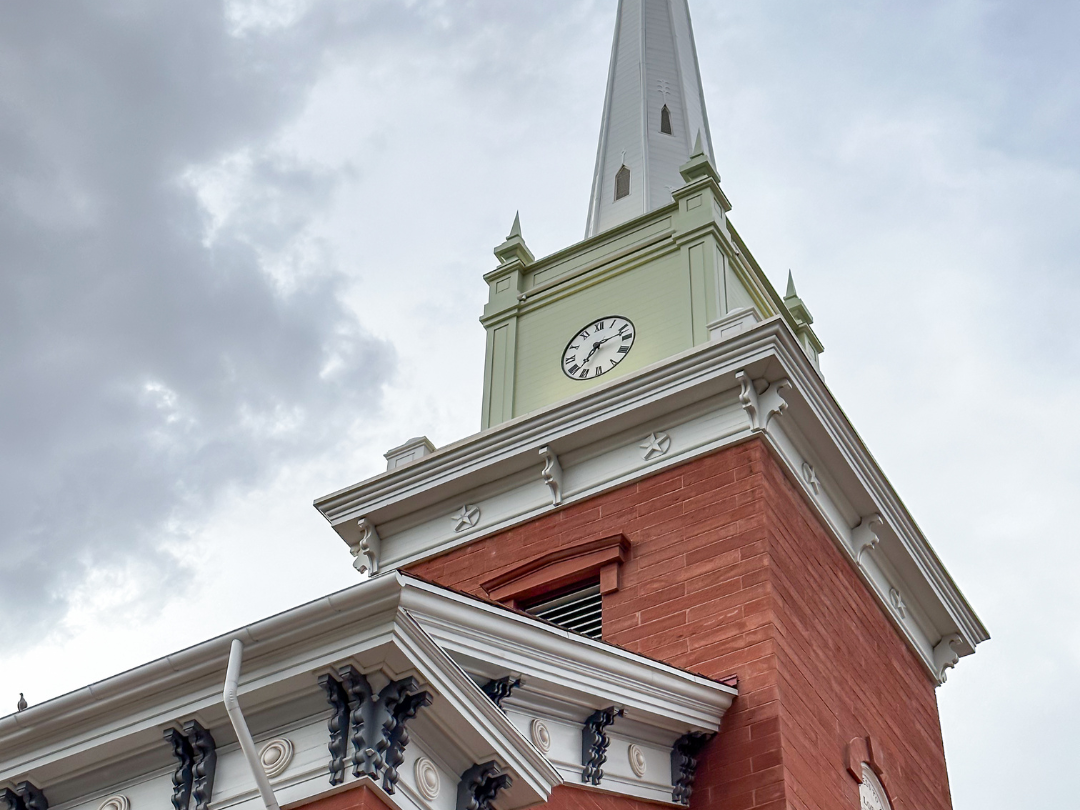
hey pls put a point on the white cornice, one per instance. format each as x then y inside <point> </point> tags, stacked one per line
<point>119,717</point>
<point>813,433</point>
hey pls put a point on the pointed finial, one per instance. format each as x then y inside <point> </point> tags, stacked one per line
<point>699,148</point>
<point>790,286</point>
<point>514,248</point>
<point>22,702</point>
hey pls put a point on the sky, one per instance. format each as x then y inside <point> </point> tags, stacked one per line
<point>241,250</point>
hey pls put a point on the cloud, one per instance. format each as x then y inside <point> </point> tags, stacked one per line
<point>171,324</point>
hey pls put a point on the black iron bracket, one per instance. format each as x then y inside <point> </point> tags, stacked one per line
<point>595,742</point>
<point>500,689</point>
<point>684,759</point>
<point>480,785</point>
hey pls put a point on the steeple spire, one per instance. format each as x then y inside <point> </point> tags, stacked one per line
<point>654,109</point>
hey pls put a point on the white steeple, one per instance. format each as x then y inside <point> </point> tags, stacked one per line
<point>653,66</point>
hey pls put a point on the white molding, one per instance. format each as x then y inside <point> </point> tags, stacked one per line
<point>391,624</point>
<point>766,374</point>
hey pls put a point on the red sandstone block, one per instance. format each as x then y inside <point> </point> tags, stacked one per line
<point>647,602</point>
<point>729,801</point>
<point>719,562</point>
<point>716,638</point>
<point>758,782</point>
<point>613,627</point>
<point>721,481</point>
<point>708,545</point>
<point>662,653</point>
<point>731,594</point>
<point>728,572</point>
<point>700,530</point>
<point>650,518</point>
<point>769,759</point>
<point>575,519</point>
<point>640,631</point>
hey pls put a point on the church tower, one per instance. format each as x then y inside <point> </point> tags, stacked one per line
<point>666,572</point>
<point>661,254</point>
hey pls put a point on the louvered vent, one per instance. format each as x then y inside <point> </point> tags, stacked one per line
<point>578,611</point>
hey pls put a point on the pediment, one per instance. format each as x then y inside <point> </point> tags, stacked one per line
<point>486,703</point>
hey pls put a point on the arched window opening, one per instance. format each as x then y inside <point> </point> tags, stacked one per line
<point>665,120</point>
<point>622,183</point>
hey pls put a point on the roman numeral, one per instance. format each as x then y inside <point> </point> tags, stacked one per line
<point>584,334</point>
<point>571,360</point>
<point>584,373</point>
<point>599,325</point>
<point>627,336</point>
<point>597,371</point>
<point>573,370</point>
<point>624,349</point>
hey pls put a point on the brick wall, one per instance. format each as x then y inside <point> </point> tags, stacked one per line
<point>731,573</point>
<point>358,796</point>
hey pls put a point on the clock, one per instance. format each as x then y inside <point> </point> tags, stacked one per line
<point>598,348</point>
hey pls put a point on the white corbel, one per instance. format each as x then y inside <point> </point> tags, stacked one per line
<point>865,536</point>
<point>368,549</point>
<point>552,475</point>
<point>761,408</point>
<point>945,655</point>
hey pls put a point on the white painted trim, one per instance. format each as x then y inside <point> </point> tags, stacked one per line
<point>114,719</point>
<point>850,485</point>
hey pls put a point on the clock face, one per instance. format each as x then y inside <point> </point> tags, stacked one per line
<point>598,348</point>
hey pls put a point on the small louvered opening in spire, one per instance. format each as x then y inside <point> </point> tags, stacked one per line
<point>665,120</point>
<point>578,611</point>
<point>622,183</point>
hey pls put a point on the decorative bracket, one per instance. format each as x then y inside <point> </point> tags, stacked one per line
<point>595,742</point>
<point>761,408</point>
<point>480,785</point>
<point>25,796</point>
<point>684,757</point>
<point>369,548</point>
<point>865,536</point>
<point>552,475</point>
<point>182,776</point>
<point>500,689</point>
<point>379,723</point>
<point>338,725</point>
<point>945,655</point>
<point>204,767</point>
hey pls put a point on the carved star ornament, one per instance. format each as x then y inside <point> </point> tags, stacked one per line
<point>657,444</point>
<point>466,518</point>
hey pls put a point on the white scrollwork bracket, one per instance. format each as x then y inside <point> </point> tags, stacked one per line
<point>945,655</point>
<point>552,475</point>
<point>865,536</point>
<point>367,550</point>
<point>761,408</point>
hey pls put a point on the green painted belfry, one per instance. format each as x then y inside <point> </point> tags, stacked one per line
<point>674,268</point>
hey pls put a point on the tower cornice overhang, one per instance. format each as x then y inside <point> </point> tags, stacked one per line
<point>700,399</point>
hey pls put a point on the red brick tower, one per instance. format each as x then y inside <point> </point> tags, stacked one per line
<point>702,482</point>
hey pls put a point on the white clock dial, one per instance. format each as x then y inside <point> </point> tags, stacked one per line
<point>598,348</point>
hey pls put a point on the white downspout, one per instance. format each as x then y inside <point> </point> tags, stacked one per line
<point>232,706</point>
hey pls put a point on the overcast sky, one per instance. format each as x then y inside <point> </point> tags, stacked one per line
<point>241,249</point>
